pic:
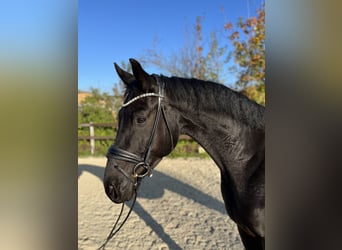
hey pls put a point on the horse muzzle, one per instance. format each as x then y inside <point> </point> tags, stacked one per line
<point>117,186</point>
<point>116,194</point>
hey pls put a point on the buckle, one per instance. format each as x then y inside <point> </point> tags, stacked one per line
<point>144,168</point>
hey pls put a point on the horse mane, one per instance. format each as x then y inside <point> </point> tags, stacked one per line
<point>215,98</point>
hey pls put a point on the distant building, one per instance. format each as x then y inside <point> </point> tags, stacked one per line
<point>81,96</point>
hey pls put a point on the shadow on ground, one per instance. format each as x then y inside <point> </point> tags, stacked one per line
<point>155,188</point>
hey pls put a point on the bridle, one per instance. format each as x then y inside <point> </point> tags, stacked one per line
<point>142,168</point>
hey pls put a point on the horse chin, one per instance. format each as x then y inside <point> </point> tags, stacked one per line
<point>121,198</point>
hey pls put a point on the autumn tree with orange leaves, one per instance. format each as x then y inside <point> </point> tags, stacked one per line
<point>248,40</point>
<point>210,60</point>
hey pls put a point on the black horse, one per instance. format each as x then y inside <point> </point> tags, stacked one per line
<point>231,128</point>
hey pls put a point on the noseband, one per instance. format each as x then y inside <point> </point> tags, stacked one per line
<point>142,168</point>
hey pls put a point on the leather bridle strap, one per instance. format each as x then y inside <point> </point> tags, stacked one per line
<point>156,122</point>
<point>123,155</point>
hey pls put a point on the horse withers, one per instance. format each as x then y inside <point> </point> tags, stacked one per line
<point>231,128</point>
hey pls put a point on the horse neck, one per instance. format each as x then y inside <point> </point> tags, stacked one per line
<point>225,123</point>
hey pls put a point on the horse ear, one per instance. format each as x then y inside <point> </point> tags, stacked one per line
<point>126,77</point>
<point>141,75</point>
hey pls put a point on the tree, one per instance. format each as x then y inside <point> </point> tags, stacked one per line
<point>98,107</point>
<point>248,40</point>
<point>196,59</point>
<point>207,61</point>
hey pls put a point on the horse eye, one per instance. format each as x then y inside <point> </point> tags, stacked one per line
<point>141,120</point>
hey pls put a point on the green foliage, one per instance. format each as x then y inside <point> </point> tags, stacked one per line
<point>96,108</point>
<point>101,147</point>
<point>186,148</point>
<point>99,107</point>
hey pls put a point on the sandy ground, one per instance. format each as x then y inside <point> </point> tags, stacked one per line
<point>180,207</point>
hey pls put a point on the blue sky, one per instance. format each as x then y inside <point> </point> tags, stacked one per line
<point>115,30</point>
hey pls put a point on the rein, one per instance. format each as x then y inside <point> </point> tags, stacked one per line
<point>141,164</point>
<point>114,231</point>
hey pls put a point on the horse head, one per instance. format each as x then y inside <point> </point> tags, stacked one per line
<point>146,132</point>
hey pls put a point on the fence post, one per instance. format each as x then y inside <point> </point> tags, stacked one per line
<point>92,139</point>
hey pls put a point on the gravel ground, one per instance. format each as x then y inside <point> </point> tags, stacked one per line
<point>180,207</point>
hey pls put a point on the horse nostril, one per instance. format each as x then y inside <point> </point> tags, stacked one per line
<point>110,188</point>
<point>111,191</point>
